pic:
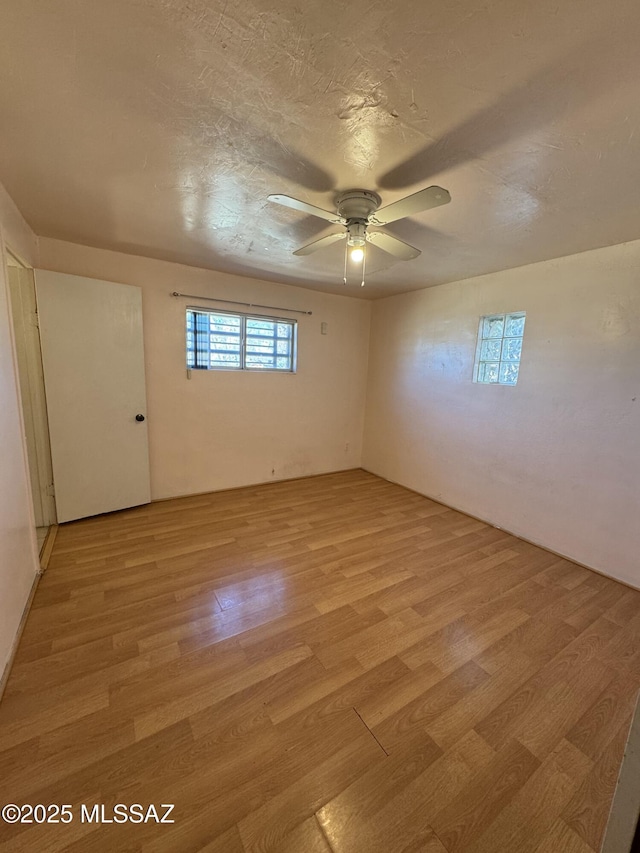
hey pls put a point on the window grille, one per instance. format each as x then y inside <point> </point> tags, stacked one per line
<point>217,340</point>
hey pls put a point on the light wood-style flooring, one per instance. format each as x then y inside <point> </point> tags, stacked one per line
<point>329,664</point>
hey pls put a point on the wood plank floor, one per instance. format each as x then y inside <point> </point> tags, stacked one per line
<point>330,664</point>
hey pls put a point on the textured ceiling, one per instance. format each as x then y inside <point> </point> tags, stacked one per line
<point>159,127</point>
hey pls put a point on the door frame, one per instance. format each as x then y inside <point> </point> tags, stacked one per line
<point>31,388</point>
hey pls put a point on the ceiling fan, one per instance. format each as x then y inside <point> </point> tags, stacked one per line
<point>356,211</point>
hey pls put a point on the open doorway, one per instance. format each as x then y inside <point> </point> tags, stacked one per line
<point>32,393</point>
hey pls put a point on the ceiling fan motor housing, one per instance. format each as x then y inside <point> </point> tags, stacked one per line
<point>356,206</point>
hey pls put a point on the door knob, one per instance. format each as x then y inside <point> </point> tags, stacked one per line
<point>139,417</point>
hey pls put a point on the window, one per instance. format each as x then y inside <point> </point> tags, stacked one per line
<point>220,341</point>
<point>499,348</point>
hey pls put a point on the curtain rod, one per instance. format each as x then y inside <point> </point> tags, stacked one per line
<point>246,304</point>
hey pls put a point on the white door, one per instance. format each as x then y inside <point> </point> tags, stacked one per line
<point>91,333</point>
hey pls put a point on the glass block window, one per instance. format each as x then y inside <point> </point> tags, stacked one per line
<point>217,340</point>
<point>499,348</point>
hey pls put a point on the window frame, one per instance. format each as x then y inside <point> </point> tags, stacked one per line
<point>478,361</point>
<point>243,317</point>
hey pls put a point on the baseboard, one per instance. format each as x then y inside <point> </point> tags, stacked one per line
<point>18,636</point>
<point>47,547</point>
<point>540,545</point>
<point>259,483</point>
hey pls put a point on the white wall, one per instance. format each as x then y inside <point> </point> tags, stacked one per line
<point>555,459</point>
<point>18,555</point>
<point>225,429</point>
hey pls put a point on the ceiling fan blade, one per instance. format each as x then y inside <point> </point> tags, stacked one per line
<point>321,243</point>
<point>416,203</point>
<point>389,243</point>
<point>302,206</point>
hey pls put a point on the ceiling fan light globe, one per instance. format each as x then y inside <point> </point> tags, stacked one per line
<point>356,233</point>
<point>357,255</point>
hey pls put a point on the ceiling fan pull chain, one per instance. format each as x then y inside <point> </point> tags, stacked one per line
<point>364,261</point>
<point>346,252</point>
